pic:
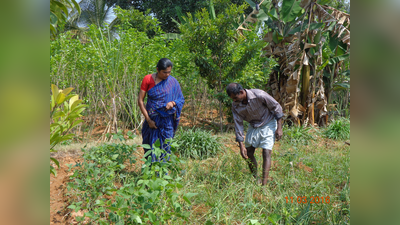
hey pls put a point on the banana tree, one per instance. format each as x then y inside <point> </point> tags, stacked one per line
<point>297,34</point>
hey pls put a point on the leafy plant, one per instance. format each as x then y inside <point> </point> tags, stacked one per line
<point>297,135</point>
<point>220,52</point>
<point>59,12</point>
<point>339,129</point>
<point>197,143</point>
<point>150,197</point>
<point>65,110</point>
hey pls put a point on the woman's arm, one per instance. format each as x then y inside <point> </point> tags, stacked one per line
<point>151,123</point>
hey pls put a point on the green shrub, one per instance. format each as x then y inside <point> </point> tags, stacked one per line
<point>150,197</point>
<point>297,135</point>
<point>197,143</point>
<point>65,114</point>
<point>338,129</point>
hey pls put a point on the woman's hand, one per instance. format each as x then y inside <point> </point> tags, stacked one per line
<point>170,105</point>
<point>152,124</point>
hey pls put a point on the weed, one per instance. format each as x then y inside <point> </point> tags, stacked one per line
<point>197,143</point>
<point>338,129</point>
<point>297,135</point>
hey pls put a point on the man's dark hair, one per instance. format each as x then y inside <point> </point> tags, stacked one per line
<point>164,63</point>
<point>233,88</point>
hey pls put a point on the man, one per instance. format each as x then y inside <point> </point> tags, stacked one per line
<point>265,117</point>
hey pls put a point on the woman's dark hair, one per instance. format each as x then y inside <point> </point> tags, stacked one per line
<point>164,63</point>
<point>233,88</point>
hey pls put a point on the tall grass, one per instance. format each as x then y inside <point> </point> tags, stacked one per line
<point>107,72</point>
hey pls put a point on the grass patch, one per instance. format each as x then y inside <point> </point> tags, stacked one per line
<point>297,135</point>
<point>228,194</point>
<point>197,143</point>
<point>226,191</point>
<point>338,129</point>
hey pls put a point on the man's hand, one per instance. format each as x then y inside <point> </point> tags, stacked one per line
<point>152,124</point>
<point>278,134</point>
<point>170,105</point>
<point>243,151</point>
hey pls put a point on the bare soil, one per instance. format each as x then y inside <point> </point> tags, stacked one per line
<point>59,214</point>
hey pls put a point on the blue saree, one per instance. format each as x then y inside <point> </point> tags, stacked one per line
<point>166,120</point>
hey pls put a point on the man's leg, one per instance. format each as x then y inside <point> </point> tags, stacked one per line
<point>252,160</point>
<point>266,153</point>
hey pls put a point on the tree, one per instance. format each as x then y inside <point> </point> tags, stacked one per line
<point>59,11</point>
<point>97,12</point>
<point>296,34</point>
<point>164,10</point>
<point>219,51</point>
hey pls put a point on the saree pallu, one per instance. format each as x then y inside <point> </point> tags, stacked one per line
<point>166,120</point>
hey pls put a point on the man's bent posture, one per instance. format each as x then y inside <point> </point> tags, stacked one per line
<point>264,114</point>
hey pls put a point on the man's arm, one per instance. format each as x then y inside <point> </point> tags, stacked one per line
<point>279,132</point>
<point>243,150</point>
<point>239,132</point>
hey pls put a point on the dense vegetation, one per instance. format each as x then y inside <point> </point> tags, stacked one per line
<point>298,51</point>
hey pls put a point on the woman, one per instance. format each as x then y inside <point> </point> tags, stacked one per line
<point>164,105</point>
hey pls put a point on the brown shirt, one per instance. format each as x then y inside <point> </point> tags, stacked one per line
<point>259,110</point>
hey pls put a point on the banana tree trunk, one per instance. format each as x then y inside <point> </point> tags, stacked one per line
<point>305,87</point>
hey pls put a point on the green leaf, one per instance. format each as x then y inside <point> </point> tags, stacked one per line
<point>262,15</point>
<point>66,91</point>
<point>275,37</point>
<point>330,28</point>
<point>338,59</point>
<point>251,3</point>
<point>77,6</point>
<point>211,9</point>
<point>346,73</point>
<point>53,19</point>
<point>274,218</point>
<point>341,86</point>
<point>313,26</point>
<point>55,161</point>
<point>60,98</point>
<point>62,7</point>
<point>55,91</point>
<point>273,14</point>
<point>187,197</point>
<point>323,2</point>
<point>114,209</point>
<point>89,214</point>
<point>152,217</point>
<point>137,219</point>
<point>71,207</point>
<point>145,146</point>
<point>323,65</point>
<point>290,9</point>
<point>53,171</point>
<point>76,123</point>
<point>180,15</point>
